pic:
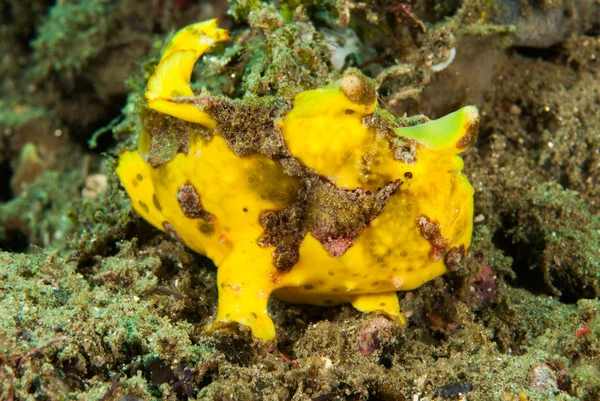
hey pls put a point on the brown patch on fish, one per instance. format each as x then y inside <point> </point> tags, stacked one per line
<point>334,216</point>
<point>471,132</point>
<point>191,206</point>
<point>430,230</point>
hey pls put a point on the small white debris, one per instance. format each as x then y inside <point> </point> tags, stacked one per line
<point>397,281</point>
<point>443,65</point>
<point>326,362</point>
<point>206,40</point>
<point>95,184</point>
<point>340,43</point>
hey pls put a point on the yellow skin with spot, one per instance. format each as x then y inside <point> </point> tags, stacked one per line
<point>325,132</point>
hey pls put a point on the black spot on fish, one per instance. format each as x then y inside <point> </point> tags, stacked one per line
<point>156,202</point>
<point>144,206</point>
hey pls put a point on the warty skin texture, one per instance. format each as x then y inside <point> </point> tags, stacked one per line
<point>414,222</point>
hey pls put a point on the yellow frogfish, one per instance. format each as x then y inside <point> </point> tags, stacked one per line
<point>321,199</point>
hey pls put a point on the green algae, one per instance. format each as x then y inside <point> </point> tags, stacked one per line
<point>63,39</point>
<point>91,329</point>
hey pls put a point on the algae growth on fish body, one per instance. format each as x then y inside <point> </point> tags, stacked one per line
<point>95,303</point>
